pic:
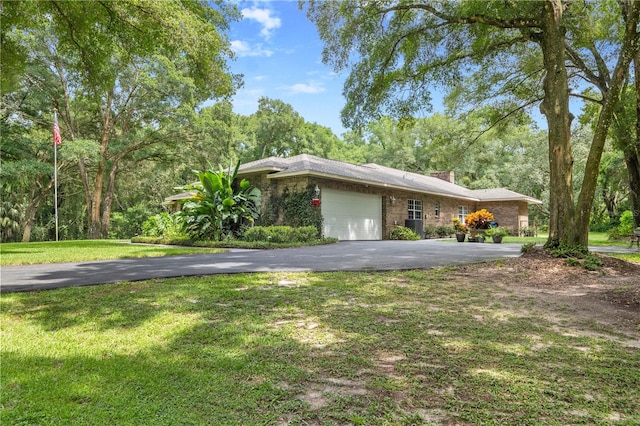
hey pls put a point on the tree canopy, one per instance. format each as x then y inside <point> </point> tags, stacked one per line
<point>123,76</point>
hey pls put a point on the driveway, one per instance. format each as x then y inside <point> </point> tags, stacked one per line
<point>344,256</point>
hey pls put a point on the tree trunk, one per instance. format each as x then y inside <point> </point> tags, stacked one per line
<point>611,100</point>
<point>38,194</point>
<point>633,163</point>
<point>555,107</point>
<point>96,201</point>
<point>610,201</point>
<point>108,199</point>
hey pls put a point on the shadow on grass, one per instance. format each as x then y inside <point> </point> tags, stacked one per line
<point>305,348</point>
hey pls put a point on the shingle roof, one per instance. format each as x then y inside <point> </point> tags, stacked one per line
<point>373,174</point>
<point>503,194</point>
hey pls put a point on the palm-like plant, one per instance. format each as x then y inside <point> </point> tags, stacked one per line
<point>219,206</point>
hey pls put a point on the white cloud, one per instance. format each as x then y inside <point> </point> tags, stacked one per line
<point>264,18</point>
<point>242,48</point>
<point>312,88</point>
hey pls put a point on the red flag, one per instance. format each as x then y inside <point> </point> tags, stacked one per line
<point>57,139</point>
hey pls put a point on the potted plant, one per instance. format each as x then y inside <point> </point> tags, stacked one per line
<point>497,233</point>
<point>460,230</point>
<point>479,220</point>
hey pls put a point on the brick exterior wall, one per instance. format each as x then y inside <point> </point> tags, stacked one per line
<point>513,214</point>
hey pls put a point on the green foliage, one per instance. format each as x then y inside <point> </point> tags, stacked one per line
<point>592,263</point>
<point>498,231</point>
<point>10,215</point>
<point>403,233</point>
<point>459,227</point>
<point>220,207</point>
<point>130,222</point>
<point>277,130</point>
<point>566,251</point>
<point>625,227</point>
<point>162,225</point>
<point>281,234</point>
<point>527,232</point>
<point>572,261</point>
<point>242,244</point>
<point>296,209</point>
<point>431,231</point>
<point>526,247</point>
<point>575,255</point>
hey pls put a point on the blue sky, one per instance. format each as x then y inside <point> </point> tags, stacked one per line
<point>280,54</point>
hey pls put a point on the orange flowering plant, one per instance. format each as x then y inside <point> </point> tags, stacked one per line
<point>480,219</point>
<point>459,227</point>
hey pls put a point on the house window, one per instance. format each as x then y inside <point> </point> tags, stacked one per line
<point>436,209</point>
<point>415,209</point>
<point>463,211</point>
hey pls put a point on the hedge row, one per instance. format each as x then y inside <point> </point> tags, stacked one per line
<point>281,234</point>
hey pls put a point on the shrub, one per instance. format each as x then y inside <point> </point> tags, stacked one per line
<point>480,219</point>
<point>444,231</point>
<point>498,231</point>
<point>403,233</point>
<point>592,263</point>
<point>220,207</point>
<point>129,223</point>
<point>527,232</point>
<point>293,209</point>
<point>162,225</point>
<point>459,227</point>
<point>527,247</point>
<point>430,231</point>
<point>624,229</point>
<point>281,234</point>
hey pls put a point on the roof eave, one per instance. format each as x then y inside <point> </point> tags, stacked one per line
<point>260,170</point>
<point>526,199</point>
<point>282,175</point>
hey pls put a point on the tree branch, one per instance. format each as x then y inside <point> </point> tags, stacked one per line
<point>586,98</point>
<point>597,79</point>
<point>495,123</point>
<point>473,19</point>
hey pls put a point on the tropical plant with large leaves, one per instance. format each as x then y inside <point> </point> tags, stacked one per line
<point>220,205</point>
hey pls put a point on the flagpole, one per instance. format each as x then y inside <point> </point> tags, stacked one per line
<point>55,168</point>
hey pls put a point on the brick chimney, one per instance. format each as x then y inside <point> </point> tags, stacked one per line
<point>448,176</point>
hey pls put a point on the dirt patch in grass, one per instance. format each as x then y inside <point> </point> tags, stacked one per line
<point>610,296</point>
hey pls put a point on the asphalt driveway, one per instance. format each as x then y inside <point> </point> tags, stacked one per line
<point>344,256</point>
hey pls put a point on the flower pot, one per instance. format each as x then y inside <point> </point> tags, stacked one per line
<point>496,238</point>
<point>461,237</point>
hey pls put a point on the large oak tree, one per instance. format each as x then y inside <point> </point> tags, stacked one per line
<point>129,73</point>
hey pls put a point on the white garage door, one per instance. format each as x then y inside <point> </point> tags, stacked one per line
<point>351,215</point>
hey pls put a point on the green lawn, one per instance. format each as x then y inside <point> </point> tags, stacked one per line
<point>85,250</point>
<point>394,348</point>
<point>595,239</point>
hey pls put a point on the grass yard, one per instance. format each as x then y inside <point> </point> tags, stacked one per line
<point>595,239</point>
<point>447,346</point>
<point>85,250</point>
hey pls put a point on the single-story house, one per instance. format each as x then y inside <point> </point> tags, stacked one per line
<point>365,201</point>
